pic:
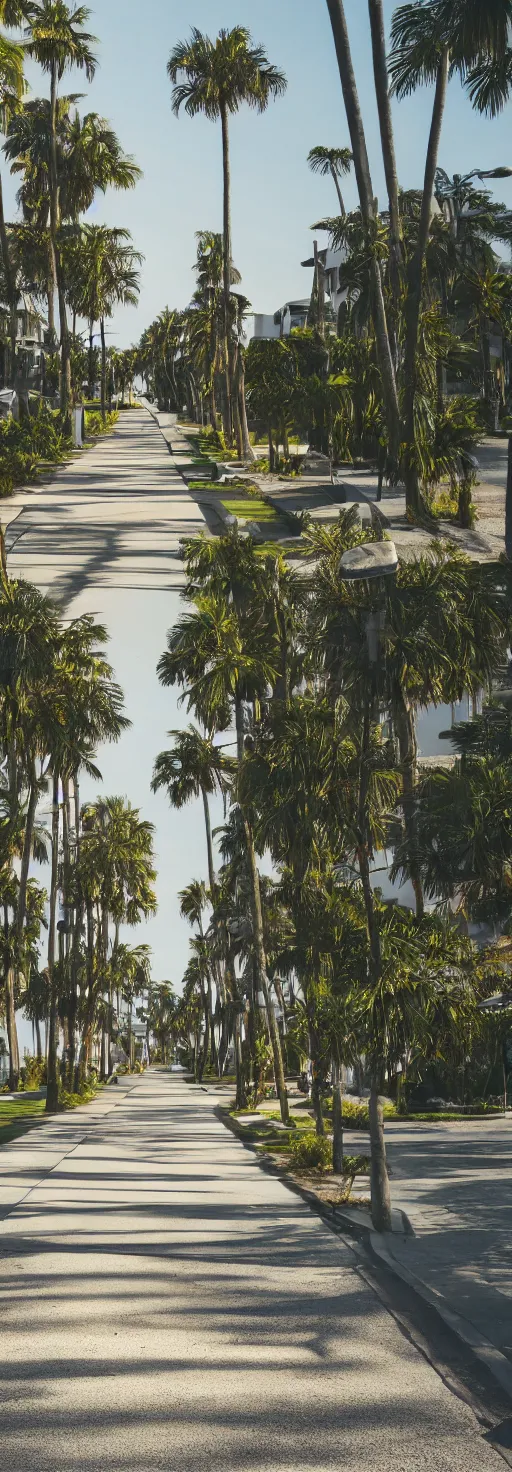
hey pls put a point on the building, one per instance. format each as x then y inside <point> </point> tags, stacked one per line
<point>30,341</point>
<point>330,263</point>
<point>295,312</point>
<point>292,314</point>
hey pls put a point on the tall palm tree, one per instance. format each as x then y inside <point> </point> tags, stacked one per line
<point>115,872</point>
<point>58,41</point>
<point>366,193</point>
<point>333,161</point>
<point>104,275</point>
<point>29,629</point>
<point>428,44</point>
<point>215,78</point>
<point>194,767</point>
<point>89,158</point>
<point>12,88</point>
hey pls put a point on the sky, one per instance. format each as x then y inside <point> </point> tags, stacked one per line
<point>275,197</point>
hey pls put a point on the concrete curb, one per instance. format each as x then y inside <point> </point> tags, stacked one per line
<point>495,1362</point>
<point>349,1220</point>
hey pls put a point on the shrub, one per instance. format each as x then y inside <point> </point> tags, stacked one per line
<point>356,1165</point>
<point>355,1116</point>
<point>95,425</point>
<point>33,1072</point>
<point>71,1101</point>
<point>26,445</point>
<point>313,1151</point>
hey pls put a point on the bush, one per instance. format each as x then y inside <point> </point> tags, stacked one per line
<point>33,1072</point>
<point>95,425</point>
<point>355,1116</point>
<point>313,1152</point>
<point>28,444</point>
<point>71,1101</point>
<point>356,1165</point>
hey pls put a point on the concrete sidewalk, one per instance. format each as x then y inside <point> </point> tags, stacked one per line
<point>454,1181</point>
<point>112,518</point>
<point>166,1304</point>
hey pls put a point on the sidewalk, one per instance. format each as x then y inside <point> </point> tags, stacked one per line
<point>168,1305</point>
<point>484,542</point>
<point>454,1182</point>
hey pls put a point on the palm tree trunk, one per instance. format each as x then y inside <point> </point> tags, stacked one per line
<point>12,1031</point>
<point>491,398</point>
<point>270,448</point>
<point>366,200</point>
<point>381,1209</point>
<point>103,371</point>
<point>408,750</point>
<point>261,974</point>
<point>4,575</point>
<point>380,72</point>
<point>246,450</point>
<point>508,505</point>
<point>337,1119</point>
<point>50,298</point>
<point>316,1100</point>
<point>52,1091</point>
<point>337,187</point>
<point>226,263</point>
<point>39,1048</point>
<point>380,1192</point>
<point>65,386</point>
<point>90,387</point>
<point>415,290</point>
<point>241,1094</point>
<point>209,841</point>
<point>130,1037</point>
<point>26,855</point>
<point>12,294</point>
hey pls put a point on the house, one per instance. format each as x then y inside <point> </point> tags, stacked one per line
<point>295,312</point>
<point>330,262</point>
<point>30,340</point>
<point>292,314</point>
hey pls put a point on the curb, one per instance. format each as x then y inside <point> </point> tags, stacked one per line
<point>343,1220</point>
<point>495,1362</point>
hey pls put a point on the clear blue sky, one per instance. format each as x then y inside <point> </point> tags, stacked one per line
<point>275,197</point>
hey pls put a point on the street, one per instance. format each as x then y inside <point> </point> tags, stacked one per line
<point>168,1304</point>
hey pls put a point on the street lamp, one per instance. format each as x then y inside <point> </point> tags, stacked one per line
<point>371,563</point>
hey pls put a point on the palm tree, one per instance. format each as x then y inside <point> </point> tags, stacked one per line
<point>214,78</point>
<point>429,43</point>
<point>57,39</point>
<point>193,902</point>
<point>333,161</point>
<point>194,767</point>
<point>89,158</point>
<point>12,88</point>
<point>105,274</point>
<point>115,876</point>
<point>29,633</point>
<point>367,204</point>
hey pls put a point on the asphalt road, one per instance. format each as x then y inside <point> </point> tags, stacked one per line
<point>166,1304</point>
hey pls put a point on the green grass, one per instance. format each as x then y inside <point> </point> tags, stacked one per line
<point>448,1114</point>
<point>16,1116</point>
<point>253,510</point>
